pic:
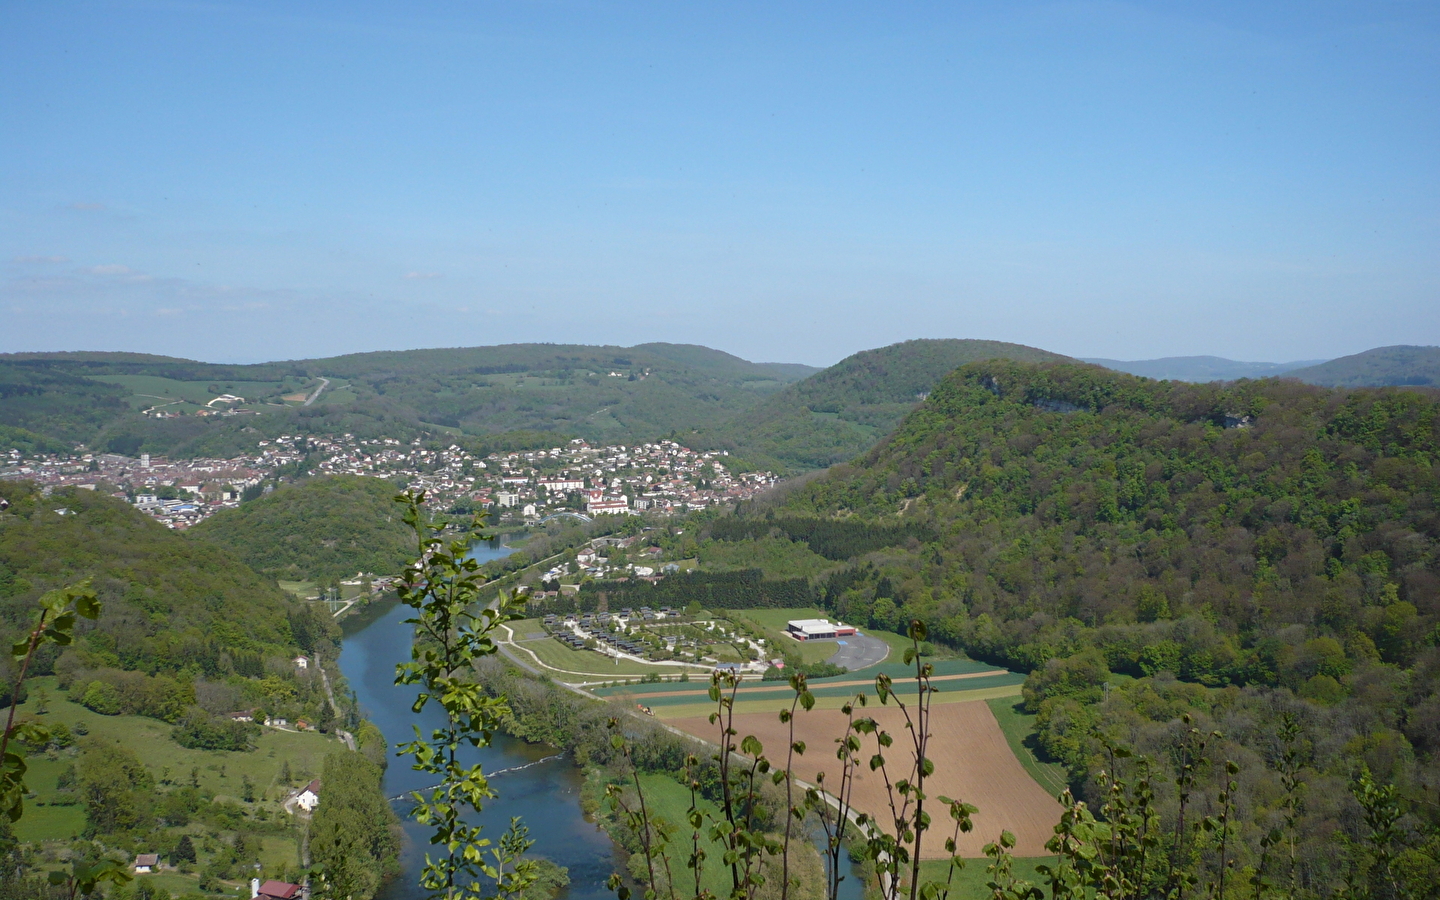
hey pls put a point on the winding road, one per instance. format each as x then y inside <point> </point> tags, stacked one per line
<point>324,383</point>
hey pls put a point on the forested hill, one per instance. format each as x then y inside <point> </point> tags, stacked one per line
<point>322,530</point>
<point>1068,492</point>
<point>1400,366</point>
<point>620,394</point>
<point>840,412</point>
<point>1261,559</point>
<point>169,602</point>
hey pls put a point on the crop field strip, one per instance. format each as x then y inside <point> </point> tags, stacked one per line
<point>662,710</point>
<point>974,763</point>
<point>945,670</point>
<point>846,688</point>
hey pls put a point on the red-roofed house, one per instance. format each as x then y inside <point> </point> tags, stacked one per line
<point>274,890</point>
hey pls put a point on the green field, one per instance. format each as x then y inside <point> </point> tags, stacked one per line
<point>668,800</point>
<point>338,393</point>
<point>219,771</point>
<point>1019,729</point>
<point>969,882</point>
<point>149,390</point>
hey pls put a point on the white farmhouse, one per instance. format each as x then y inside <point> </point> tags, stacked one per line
<point>309,796</point>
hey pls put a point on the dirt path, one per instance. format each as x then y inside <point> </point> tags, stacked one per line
<point>973,763</point>
<point>345,737</point>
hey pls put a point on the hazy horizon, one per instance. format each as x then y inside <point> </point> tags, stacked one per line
<point>786,183</point>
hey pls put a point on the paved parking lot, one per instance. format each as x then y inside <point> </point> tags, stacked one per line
<point>858,651</point>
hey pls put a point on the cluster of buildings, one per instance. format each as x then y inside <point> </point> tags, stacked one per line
<point>594,560</point>
<point>178,493</point>
<point>575,480</point>
<point>662,477</point>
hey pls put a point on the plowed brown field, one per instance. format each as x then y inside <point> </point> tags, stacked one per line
<point>973,763</point>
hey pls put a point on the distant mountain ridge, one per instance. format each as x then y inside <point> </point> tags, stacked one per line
<point>1403,365</point>
<point>785,416</point>
<point>1200,368</point>
<point>604,393</point>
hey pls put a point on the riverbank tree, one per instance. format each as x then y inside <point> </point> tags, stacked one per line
<point>354,834</point>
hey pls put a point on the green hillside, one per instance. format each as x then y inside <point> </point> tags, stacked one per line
<point>1253,556</point>
<point>1401,366</point>
<point>840,412</point>
<point>1071,491</point>
<point>600,393</point>
<point>318,530</point>
<point>58,405</point>
<point>168,602</point>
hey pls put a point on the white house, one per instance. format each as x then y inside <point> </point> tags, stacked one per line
<point>146,863</point>
<point>302,663</point>
<point>309,796</point>
<point>506,498</point>
<point>563,484</point>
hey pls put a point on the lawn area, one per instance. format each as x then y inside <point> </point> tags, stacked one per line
<point>301,589</point>
<point>196,392</point>
<point>220,771</point>
<point>1019,729</point>
<point>50,823</point>
<point>969,882</point>
<point>668,800</point>
<point>775,619</point>
<point>173,882</point>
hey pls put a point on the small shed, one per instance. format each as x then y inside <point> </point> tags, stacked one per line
<point>146,863</point>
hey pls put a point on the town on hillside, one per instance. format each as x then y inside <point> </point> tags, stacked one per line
<point>576,480</point>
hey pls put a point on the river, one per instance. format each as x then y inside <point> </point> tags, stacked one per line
<point>533,781</point>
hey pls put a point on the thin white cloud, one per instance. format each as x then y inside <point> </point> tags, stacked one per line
<point>420,276</point>
<point>42,259</point>
<point>111,269</point>
<point>88,207</point>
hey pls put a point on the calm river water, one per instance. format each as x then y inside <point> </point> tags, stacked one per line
<point>533,781</point>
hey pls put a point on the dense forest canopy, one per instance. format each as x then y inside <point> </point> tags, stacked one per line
<point>1258,556</point>
<point>169,602</point>
<point>1067,492</point>
<point>322,529</point>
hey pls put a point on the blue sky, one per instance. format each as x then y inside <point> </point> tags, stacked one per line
<point>791,182</point>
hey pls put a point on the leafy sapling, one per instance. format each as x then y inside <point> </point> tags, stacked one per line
<point>454,627</point>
